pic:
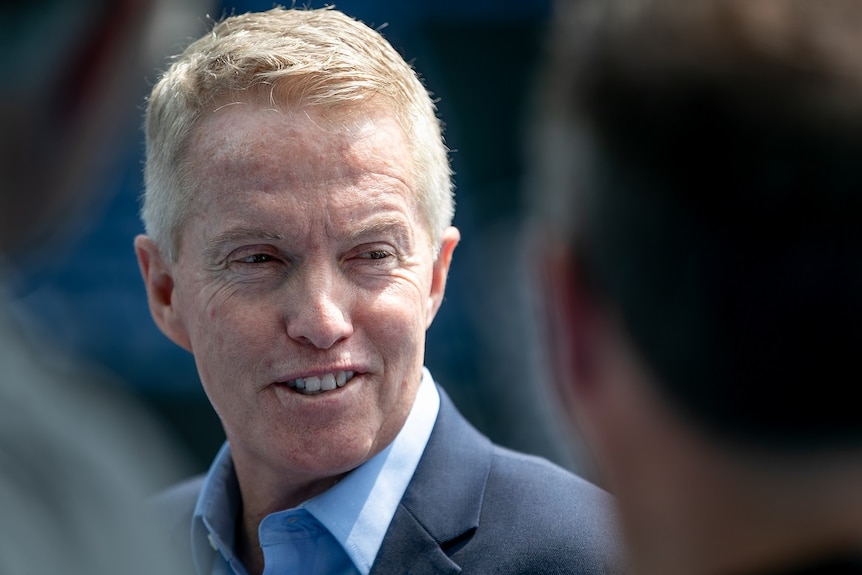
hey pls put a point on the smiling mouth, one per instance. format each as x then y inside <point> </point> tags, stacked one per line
<point>315,384</point>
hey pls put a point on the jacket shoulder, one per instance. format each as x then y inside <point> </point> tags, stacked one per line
<point>495,510</point>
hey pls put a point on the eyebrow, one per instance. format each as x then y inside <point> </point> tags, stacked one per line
<point>216,244</point>
<point>383,225</point>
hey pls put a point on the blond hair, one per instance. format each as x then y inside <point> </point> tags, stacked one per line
<point>302,57</point>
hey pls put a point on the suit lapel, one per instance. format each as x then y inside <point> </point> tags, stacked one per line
<point>441,506</point>
<point>409,549</point>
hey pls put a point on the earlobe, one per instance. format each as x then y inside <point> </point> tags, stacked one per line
<point>451,237</point>
<point>159,283</point>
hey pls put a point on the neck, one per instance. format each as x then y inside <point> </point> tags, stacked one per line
<point>247,546</point>
<point>750,521</point>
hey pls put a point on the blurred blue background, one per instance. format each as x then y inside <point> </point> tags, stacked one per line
<point>478,57</point>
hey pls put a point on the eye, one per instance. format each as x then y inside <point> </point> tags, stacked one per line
<point>376,255</point>
<point>374,259</point>
<point>256,259</point>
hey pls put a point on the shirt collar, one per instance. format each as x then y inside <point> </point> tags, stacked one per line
<point>357,510</point>
<point>214,518</point>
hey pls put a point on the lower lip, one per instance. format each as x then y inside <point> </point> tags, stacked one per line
<point>286,393</point>
<point>313,393</point>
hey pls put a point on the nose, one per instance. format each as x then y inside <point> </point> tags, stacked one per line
<point>319,314</point>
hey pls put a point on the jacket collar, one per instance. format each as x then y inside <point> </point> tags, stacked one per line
<point>441,507</point>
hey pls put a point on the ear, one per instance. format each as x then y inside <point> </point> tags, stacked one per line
<point>451,237</point>
<point>573,324</point>
<point>159,283</point>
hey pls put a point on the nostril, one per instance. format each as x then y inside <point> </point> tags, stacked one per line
<point>322,330</point>
<point>319,311</point>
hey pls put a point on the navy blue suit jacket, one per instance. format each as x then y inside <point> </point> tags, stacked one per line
<point>474,507</point>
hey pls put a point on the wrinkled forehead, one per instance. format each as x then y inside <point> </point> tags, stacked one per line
<point>285,146</point>
<point>236,127</point>
<point>351,120</point>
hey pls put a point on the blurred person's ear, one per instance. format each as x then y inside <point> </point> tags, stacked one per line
<point>159,283</point>
<point>576,334</point>
<point>572,321</point>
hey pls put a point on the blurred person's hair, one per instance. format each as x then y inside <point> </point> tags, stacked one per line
<point>289,58</point>
<point>704,160</point>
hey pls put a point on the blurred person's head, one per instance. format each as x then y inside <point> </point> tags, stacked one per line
<point>291,60</point>
<point>697,168</point>
<point>71,74</point>
<point>78,453</point>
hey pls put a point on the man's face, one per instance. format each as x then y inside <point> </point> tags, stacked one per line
<point>305,263</point>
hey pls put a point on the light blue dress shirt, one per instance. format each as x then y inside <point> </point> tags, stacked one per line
<point>339,531</point>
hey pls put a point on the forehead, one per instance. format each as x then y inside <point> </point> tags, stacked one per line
<point>252,138</point>
<point>246,153</point>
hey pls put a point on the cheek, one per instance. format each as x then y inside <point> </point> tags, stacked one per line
<point>398,317</point>
<point>227,337</point>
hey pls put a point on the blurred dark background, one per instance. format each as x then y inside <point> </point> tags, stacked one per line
<point>478,57</point>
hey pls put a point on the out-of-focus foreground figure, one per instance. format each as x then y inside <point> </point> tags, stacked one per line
<point>700,164</point>
<point>77,455</point>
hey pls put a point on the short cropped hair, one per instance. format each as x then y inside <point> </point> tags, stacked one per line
<point>704,160</point>
<point>319,58</point>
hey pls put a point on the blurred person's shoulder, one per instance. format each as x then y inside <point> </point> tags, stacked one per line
<point>172,510</point>
<point>78,455</point>
<point>174,505</point>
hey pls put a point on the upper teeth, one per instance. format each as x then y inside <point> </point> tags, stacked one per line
<point>325,382</point>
